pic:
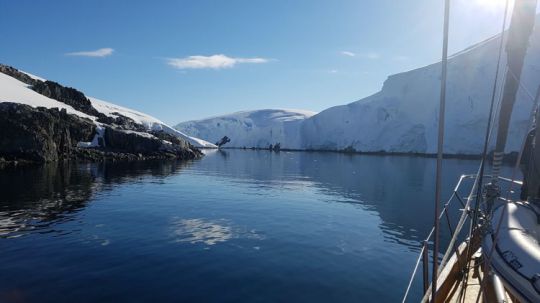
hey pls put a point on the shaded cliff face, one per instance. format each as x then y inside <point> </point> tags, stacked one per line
<point>67,95</point>
<point>40,134</point>
<point>43,121</point>
<point>45,135</point>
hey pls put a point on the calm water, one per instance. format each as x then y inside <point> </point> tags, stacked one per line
<point>236,226</point>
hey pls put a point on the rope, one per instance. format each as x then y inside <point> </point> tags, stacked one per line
<point>440,141</point>
<point>531,97</point>
<point>445,208</point>
<point>486,143</point>
<point>413,275</point>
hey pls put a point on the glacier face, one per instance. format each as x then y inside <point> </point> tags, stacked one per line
<point>402,117</point>
<point>258,128</point>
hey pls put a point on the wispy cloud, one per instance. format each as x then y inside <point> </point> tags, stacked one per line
<point>348,53</point>
<point>366,55</point>
<point>102,52</point>
<point>333,71</point>
<point>211,62</point>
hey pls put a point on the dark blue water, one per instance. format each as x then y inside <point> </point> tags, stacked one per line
<point>236,226</point>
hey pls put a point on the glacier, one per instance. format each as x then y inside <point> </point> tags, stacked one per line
<point>258,128</point>
<point>400,118</point>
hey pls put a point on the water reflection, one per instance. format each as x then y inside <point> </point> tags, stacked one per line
<point>36,198</point>
<point>209,232</point>
<point>399,189</point>
<point>288,226</point>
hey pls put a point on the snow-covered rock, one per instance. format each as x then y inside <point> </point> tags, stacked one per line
<point>13,90</point>
<point>149,122</point>
<point>402,117</point>
<point>258,128</point>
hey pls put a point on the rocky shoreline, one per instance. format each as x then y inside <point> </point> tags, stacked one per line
<point>39,135</point>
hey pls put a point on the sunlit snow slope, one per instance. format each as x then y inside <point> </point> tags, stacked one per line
<point>13,90</point>
<point>258,128</point>
<point>402,117</point>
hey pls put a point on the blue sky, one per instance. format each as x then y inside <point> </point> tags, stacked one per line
<point>182,60</point>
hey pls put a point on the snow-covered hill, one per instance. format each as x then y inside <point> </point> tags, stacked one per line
<point>149,122</point>
<point>258,128</point>
<point>13,90</point>
<point>402,117</point>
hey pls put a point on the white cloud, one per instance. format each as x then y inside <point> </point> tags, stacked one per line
<point>212,62</point>
<point>102,52</point>
<point>368,55</point>
<point>347,53</point>
<point>333,71</point>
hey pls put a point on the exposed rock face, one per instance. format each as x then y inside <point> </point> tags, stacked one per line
<point>15,73</point>
<point>67,95</point>
<point>151,146</point>
<point>121,122</point>
<point>40,134</point>
<point>29,134</point>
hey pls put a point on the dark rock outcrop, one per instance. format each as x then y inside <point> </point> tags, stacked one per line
<point>40,134</point>
<point>121,122</point>
<point>15,73</point>
<point>168,137</point>
<point>67,95</point>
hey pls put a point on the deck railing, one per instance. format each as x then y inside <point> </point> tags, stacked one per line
<point>423,256</point>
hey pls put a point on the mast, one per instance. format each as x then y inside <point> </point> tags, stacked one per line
<point>440,142</point>
<point>520,30</point>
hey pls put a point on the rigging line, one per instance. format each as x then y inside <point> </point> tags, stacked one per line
<point>521,85</point>
<point>440,142</point>
<point>486,142</point>
<point>475,185</point>
<point>413,274</point>
<point>459,226</point>
<point>446,205</point>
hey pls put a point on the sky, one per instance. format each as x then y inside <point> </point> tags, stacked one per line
<point>184,60</point>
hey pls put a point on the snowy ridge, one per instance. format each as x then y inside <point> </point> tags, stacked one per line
<point>258,128</point>
<point>149,122</point>
<point>13,90</point>
<point>402,117</point>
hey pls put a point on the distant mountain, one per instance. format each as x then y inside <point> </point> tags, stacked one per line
<point>402,117</point>
<point>43,121</point>
<point>258,128</point>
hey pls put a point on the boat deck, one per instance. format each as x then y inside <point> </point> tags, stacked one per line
<point>472,290</point>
